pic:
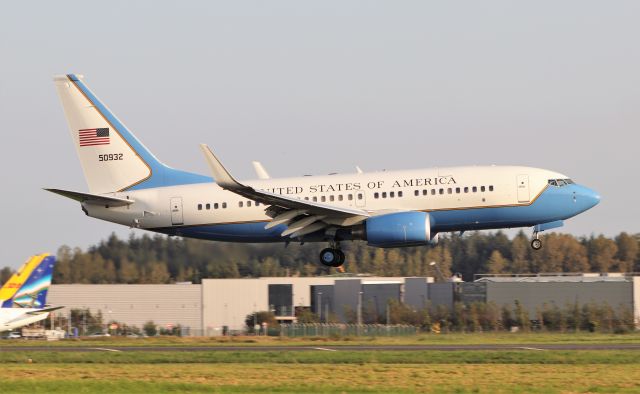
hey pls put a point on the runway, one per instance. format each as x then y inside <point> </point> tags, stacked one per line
<point>346,348</point>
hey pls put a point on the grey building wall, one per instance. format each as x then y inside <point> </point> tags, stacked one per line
<point>533,295</point>
<point>206,308</point>
<point>134,304</point>
<point>379,295</point>
<point>227,302</point>
<point>442,293</point>
<point>416,292</point>
<point>346,294</point>
<point>469,293</point>
<point>322,300</point>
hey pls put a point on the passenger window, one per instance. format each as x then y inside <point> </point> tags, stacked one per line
<point>376,195</point>
<point>490,188</point>
<point>384,194</point>
<point>425,192</point>
<point>248,203</point>
<point>349,197</point>
<point>392,194</point>
<point>315,199</point>
<point>400,194</point>
<point>224,205</point>
<point>208,206</point>
<point>416,193</point>
<point>433,192</point>
<point>215,205</point>
<point>199,207</point>
<point>482,188</point>
<point>458,190</point>
<point>240,204</point>
<point>441,191</point>
<point>331,198</point>
<point>474,189</point>
<point>340,198</point>
<point>360,196</point>
<point>449,190</point>
<point>466,189</point>
<point>306,198</point>
<point>323,198</point>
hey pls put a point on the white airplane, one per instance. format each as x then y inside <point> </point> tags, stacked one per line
<point>130,186</point>
<point>26,294</point>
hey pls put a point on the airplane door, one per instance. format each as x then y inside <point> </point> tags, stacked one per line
<point>523,188</point>
<point>176,210</point>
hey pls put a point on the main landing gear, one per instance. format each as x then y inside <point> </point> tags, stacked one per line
<point>332,256</point>
<point>536,243</point>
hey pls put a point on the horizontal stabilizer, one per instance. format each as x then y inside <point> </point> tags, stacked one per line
<point>44,310</point>
<point>92,198</point>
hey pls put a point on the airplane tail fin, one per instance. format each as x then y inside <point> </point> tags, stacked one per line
<point>30,290</point>
<point>112,158</point>
<point>17,280</point>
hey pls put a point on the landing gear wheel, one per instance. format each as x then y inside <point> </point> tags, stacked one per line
<point>329,257</point>
<point>536,244</point>
<point>332,257</point>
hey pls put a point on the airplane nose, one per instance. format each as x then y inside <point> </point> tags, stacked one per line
<point>589,197</point>
<point>594,197</point>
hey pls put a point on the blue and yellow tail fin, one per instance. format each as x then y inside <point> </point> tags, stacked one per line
<point>30,288</point>
<point>11,287</point>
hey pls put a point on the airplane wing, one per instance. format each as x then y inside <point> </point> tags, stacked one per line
<point>92,198</point>
<point>301,216</point>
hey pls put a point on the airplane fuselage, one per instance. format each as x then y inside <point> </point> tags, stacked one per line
<point>456,198</point>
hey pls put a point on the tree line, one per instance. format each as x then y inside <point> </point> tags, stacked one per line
<point>162,259</point>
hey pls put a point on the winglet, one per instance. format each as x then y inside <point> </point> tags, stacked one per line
<point>220,174</point>
<point>261,172</point>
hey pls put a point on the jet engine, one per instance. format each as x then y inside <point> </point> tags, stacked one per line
<point>399,229</point>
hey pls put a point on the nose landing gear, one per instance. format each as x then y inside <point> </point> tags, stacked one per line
<point>332,256</point>
<point>536,243</point>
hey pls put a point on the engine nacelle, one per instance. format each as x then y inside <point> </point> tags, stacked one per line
<point>399,229</point>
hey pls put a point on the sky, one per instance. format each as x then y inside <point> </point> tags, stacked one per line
<point>314,87</point>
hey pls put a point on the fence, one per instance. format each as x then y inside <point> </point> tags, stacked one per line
<point>326,330</point>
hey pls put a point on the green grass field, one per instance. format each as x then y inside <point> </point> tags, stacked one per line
<point>504,371</point>
<point>422,339</point>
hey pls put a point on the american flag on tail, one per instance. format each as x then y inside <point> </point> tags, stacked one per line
<point>92,137</point>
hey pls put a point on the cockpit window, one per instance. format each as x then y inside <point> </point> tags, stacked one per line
<point>560,182</point>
